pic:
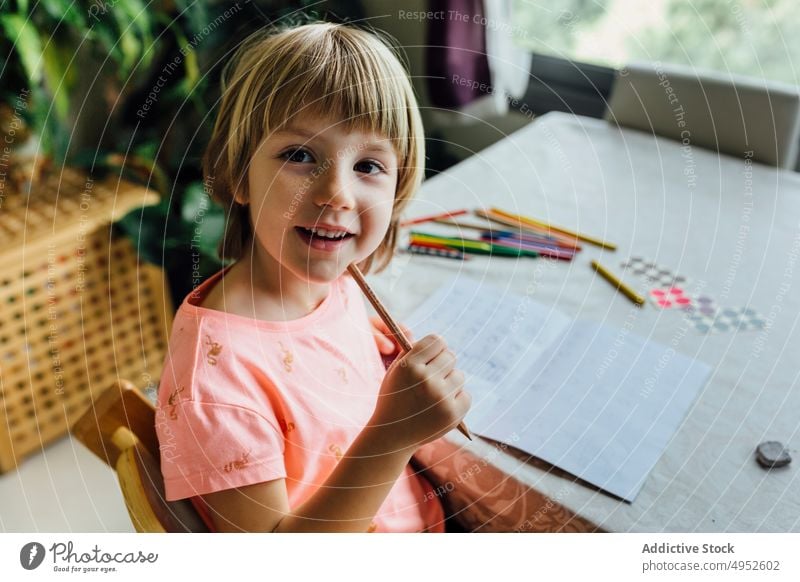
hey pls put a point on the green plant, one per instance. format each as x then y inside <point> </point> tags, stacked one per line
<point>185,242</point>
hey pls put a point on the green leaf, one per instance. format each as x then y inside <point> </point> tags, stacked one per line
<point>22,33</point>
<point>135,34</point>
<point>146,227</point>
<point>194,14</point>
<point>57,77</point>
<point>205,219</point>
<point>65,11</point>
<point>190,65</point>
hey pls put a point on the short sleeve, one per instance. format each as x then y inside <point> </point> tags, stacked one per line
<point>207,447</point>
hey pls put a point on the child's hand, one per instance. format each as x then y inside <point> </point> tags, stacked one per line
<point>387,344</point>
<point>422,396</point>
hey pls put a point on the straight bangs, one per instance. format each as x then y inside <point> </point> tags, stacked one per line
<point>360,84</point>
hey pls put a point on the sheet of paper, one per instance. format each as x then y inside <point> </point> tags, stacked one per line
<point>495,334</point>
<point>597,403</point>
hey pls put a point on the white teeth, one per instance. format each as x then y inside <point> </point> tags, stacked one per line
<point>334,234</point>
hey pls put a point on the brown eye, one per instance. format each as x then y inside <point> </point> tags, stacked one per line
<point>298,156</point>
<point>369,167</point>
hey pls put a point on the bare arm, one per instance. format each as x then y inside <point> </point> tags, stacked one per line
<point>420,401</point>
<point>346,502</point>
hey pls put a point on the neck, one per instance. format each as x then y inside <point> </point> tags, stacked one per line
<point>268,278</point>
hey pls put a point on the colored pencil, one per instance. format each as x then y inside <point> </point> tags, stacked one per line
<point>422,219</point>
<point>477,247</point>
<point>487,229</point>
<point>539,223</point>
<point>405,344</point>
<point>565,241</point>
<point>535,229</point>
<point>531,238</point>
<point>429,244</point>
<point>444,252</point>
<point>616,282</point>
<point>544,250</point>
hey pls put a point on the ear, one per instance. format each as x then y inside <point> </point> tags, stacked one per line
<point>240,198</point>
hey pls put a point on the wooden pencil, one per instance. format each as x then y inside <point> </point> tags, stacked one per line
<point>563,240</point>
<point>539,223</point>
<point>390,323</point>
<point>616,282</point>
<point>422,219</point>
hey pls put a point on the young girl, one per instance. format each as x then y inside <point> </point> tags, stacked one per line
<point>275,412</point>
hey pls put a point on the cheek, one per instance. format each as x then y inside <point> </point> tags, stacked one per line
<point>375,221</point>
<point>275,204</point>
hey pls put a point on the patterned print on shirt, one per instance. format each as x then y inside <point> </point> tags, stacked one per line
<point>286,427</point>
<point>238,464</point>
<point>337,451</point>
<point>214,350</point>
<point>172,402</point>
<point>288,358</point>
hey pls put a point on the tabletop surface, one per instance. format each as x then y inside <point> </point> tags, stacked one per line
<point>730,225</point>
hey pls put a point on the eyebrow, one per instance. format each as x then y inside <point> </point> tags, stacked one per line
<point>296,131</point>
<point>382,146</point>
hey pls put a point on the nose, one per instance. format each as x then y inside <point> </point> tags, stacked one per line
<point>334,189</point>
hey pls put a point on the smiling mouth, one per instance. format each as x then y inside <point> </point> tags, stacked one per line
<point>323,240</point>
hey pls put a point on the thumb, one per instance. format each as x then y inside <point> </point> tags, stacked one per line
<point>385,345</point>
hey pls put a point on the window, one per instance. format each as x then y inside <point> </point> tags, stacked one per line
<point>750,37</point>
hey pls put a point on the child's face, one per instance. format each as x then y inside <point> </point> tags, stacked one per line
<point>312,175</point>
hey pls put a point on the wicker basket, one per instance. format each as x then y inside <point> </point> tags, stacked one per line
<point>79,310</point>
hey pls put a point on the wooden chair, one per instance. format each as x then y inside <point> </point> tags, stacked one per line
<point>120,429</point>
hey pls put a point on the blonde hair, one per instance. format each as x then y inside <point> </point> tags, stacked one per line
<point>319,68</point>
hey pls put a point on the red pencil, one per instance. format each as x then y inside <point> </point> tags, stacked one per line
<point>422,219</point>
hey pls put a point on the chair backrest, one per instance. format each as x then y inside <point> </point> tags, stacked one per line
<point>726,113</point>
<point>120,429</point>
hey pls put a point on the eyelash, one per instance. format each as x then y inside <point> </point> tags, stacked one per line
<point>289,154</point>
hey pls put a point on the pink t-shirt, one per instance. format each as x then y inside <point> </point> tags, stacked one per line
<point>244,401</point>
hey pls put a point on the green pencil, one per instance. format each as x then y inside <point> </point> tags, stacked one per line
<point>474,247</point>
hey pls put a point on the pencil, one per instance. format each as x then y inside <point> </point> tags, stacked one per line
<point>622,287</point>
<point>475,247</point>
<point>390,323</point>
<point>544,250</point>
<point>534,222</point>
<point>422,219</point>
<point>436,251</point>
<point>498,233</point>
<point>563,240</point>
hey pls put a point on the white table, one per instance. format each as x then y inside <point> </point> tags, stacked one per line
<point>734,227</point>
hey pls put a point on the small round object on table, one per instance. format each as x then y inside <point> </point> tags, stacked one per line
<point>772,454</point>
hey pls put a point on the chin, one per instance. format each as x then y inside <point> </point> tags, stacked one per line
<point>324,273</point>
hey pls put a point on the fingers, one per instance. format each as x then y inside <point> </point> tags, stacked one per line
<point>426,349</point>
<point>378,324</point>
<point>443,364</point>
<point>385,345</point>
<point>464,401</point>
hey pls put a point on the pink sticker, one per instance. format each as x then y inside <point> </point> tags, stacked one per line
<point>670,297</point>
